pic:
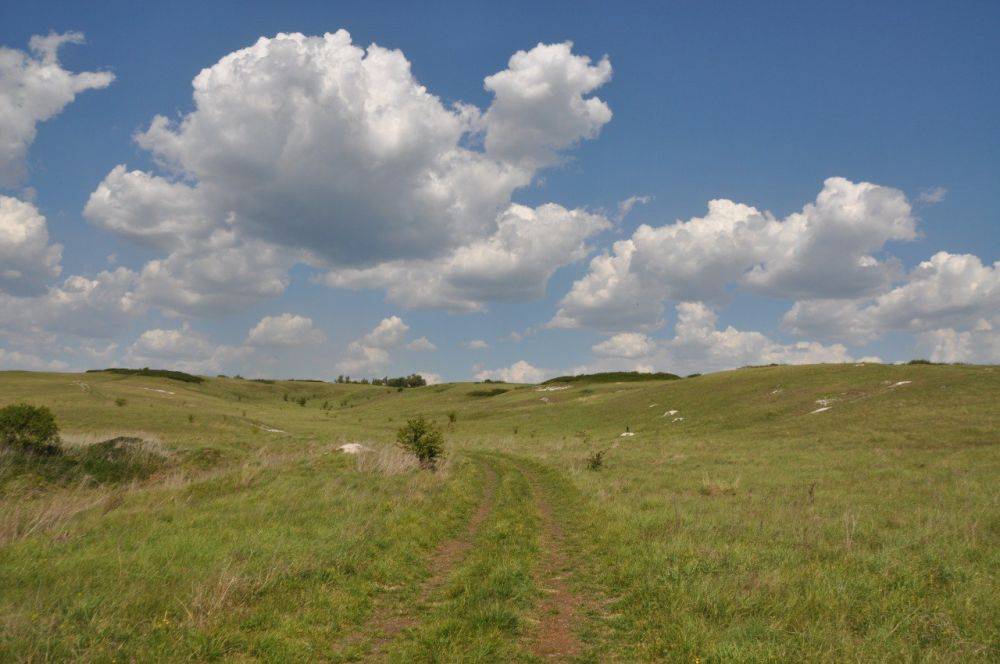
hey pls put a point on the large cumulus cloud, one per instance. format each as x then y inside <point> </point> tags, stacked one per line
<point>828,249</point>
<point>338,155</point>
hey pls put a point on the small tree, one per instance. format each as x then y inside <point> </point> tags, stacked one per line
<point>423,440</point>
<point>29,429</point>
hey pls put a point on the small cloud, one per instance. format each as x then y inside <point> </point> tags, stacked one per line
<point>421,344</point>
<point>476,344</point>
<point>932,196</point>
<point>625,206</point>
<point>431,378</point>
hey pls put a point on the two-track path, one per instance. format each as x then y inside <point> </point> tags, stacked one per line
<point>514,524</point>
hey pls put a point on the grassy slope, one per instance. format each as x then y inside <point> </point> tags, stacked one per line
<point>750,530</point>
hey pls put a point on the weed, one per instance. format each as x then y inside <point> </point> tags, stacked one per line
<point>120,402</point>
<point>595,461</point>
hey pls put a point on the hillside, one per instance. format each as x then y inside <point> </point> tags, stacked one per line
<point>817,513</point>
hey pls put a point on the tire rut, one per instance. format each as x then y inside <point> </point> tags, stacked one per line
<point>554,638</point>
<point>388,620</point>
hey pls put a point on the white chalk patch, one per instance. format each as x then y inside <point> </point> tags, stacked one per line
<point>820,410</point>
<point>544,399</point>
<point>777,390</point>
<point>352,448</point>
<point>554,388</point>
<point>627,434</point>
<point>269,429</point>
<point>677,419</point>
<point>152,389</point>
<point>651,405</point>
<point>902,382</point>
<point>670,413</point>
<point>825,402</point>
<point>83,386</point>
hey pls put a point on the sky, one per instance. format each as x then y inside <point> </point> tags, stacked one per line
<point>497,190</point>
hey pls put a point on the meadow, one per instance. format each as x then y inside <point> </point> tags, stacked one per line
<point>817,513</point>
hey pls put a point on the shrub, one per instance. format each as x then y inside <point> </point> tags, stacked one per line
<point>30,429</point>
<point>422,439</point>
<point>452,416</point>
<point>920,361</point>
<point>301,401</point>
<point>120,402</point>
<point>487,393</point>
<point>596,460</point>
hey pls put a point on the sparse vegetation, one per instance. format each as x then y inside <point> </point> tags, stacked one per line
<point>595,461</point>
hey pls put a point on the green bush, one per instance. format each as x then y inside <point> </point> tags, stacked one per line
<point>28,428</point>
<point>487,393</point>
<point>423,440</point>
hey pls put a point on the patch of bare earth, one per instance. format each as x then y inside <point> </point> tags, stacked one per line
<point>554,638</point>
<point>389,621</point>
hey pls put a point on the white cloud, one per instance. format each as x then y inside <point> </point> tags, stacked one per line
<point>539,107</point>
<point>421,345</point>
<point>980,344</point>
<point>327,148</point>
<point>92,308</point>
<point>219,275</point>
<point>27,261</point>
<point>33,88</point>
<point>12,359</point>
<point>625,206</point>
<point>626,345</point>
<point>285,331</point>
<point>371,352</point>
<point>514,263</point>
<point>826,250</point>
<point>476,344</point>
<point>182,349</point>
<point>519,372</point>
<point>699,345</point>
<point>932,196</point>
<point>949,290</point>
<point>431,378</point>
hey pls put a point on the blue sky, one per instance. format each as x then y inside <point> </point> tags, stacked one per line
<point>755,103</point>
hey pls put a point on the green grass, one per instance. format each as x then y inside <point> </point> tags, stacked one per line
<point>750,530</point>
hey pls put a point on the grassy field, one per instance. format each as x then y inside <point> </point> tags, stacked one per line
<point>821,513</point>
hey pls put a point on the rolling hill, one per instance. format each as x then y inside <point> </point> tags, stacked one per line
<point>813,513</point>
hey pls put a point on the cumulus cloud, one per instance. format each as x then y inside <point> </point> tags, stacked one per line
<point>284,331</point>
<point>183,349</point>
<point>979,344</point>
<point>223,274</point>
<point>476,344</point>
<point>34,87</point>
<point>371,352</point>
<point>539,106</point>
<point>949,290</point>
<point>28,262</point>
<point>699,345</point>
<point>519,372</point>
<point>422,344</point>
<point>825,250</point>
<point>627,345</point>
<point>98,307</point>
<point>324,147</point>
<point>514,263</point>
<point>13,359</point>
